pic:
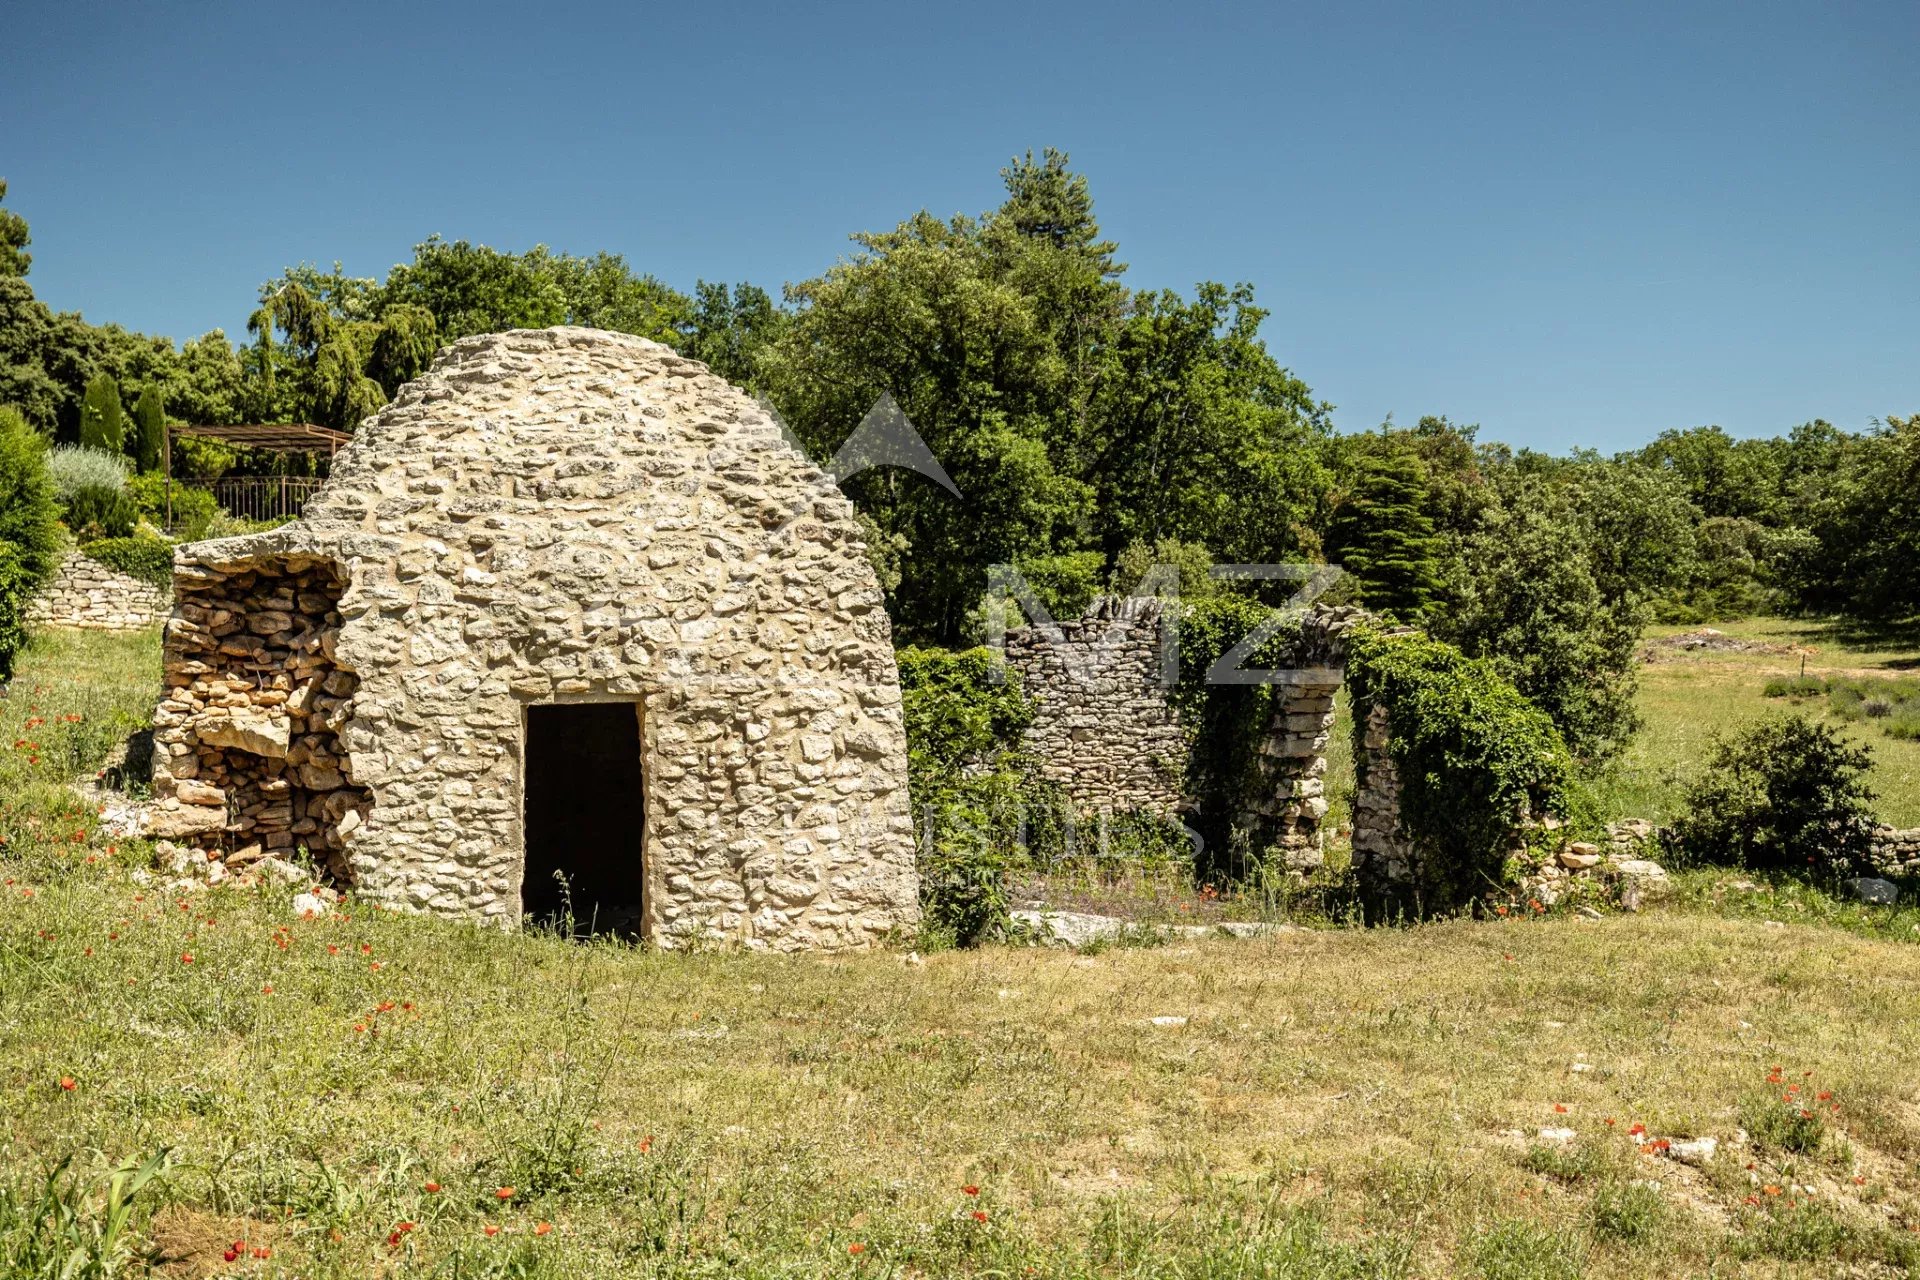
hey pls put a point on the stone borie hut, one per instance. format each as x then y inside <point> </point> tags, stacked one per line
<point>569,608</point>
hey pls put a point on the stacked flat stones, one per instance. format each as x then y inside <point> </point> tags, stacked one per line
<point>1103,728</point>
<point>249,757</point>
<point>86,594</point>
<point>1896,852</point>
<point>570,514</point>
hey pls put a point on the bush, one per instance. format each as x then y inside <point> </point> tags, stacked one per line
<point>1795,687</point>
<point>1786,794</point>
<point>1474,756</point>
<point>29,530</point>
<point>16,592</point>
<point>148,559</point>
<point>90,485</point>
<point>194,510</point>
<point>968,784</point>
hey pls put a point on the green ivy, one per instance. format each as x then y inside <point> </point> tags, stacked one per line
<point>970,787</point>
<point>146,558</point>
<point>1474,757</point>
<point>1226,723</point>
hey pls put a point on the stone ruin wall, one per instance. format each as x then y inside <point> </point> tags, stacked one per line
<point>1105,730</point>
<point>248,761</point>
<point>1102,727</point>
<point>92,596</point>
<point>1896,852</point>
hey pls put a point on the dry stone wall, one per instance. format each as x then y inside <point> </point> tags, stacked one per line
<point>1103,728</point>
<point>1897,852</point>
<point>568,514</point>
<point>1106,730</point>
<point>92,596</point>
<point>248,730</point>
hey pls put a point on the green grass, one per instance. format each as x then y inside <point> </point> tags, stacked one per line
<point>1686,698</point>
<point>353,1093</point>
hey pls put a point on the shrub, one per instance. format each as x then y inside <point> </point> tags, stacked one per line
<point>148,559</point>
<point>29,530</point>
<point>29,510</point>
<point>1783,1123</point>
<point>1786,794</point>
<point>1795,687</point>
<point>90,485</point>
<point>968,785</point>
<point>1877,708</point>
<point>194,509</point>
<point>16,591</point>
<point>1473,754</point>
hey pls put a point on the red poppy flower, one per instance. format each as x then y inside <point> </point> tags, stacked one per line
<point>970,1190</point>
<point>979,1215</point>
<point>432,1186</point>
<point>542,1228</point>
<point>491,1229</point>
<point>67,1083</point>
<point>504,1193</point>
<point>856,1248</point>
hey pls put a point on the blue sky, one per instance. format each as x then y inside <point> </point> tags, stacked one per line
<point>1573,225</point>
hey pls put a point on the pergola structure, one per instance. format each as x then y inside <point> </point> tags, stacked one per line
<point>274,437</point>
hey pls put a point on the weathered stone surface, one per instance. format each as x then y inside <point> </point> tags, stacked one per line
<point>95,597</point>
<point>551,514</point>
<point>258,733</point>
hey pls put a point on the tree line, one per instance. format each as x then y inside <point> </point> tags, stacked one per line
<point>1092,429</point>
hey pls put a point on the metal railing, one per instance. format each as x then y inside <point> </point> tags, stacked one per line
<point>264,497</point>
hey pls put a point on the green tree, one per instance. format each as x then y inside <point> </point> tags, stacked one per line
<point>14,258</point>
<point>1522,592</point>
<point>1384,539</point>
<point>102,418</point>
<point>1196,434</point>
<point>921,313</point>
<point>729,328</point>
<point>149,429</point>
<point>1868,526</point>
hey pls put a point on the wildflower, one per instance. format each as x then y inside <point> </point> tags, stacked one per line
<point>856,1248</point>
<point>430,1185</point>
<point>263,1252</point>
<point>1825,1095</point>
<point>1609,1122</point>
<point>970,1191</point>
<point>979,1215</point>
<point>1560,1108</point>
<point>491,1229</point>
<point>1771,1189</point>
<point>230,1253</point>
<point>186,957</point>
<point>542,1228</point>
<point>67,1083</point>
<point>1500,911</point>
<point>1636,1130</point>
<point>267,990</point>
<point>646,1144</point>
<point>504,1193</point>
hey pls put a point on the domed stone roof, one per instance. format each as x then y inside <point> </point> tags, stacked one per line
<point>549,517</point>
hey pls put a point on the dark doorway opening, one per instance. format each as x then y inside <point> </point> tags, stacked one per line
<point>585,817</point>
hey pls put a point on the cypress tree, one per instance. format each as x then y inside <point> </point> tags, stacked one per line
<point>149,427</point>
<point>102,419</point>
<point>1384,539</point>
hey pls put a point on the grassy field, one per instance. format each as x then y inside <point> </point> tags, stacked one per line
<point>1686,697</point>
<point>371,1094</point>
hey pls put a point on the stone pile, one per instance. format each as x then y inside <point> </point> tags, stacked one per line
<point>92,596</point>
<point>248,761</point>
<point>1617,870</point>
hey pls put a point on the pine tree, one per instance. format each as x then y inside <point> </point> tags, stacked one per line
<point>103,422</point>
<point>149,430</point>
<point>1384,539</point>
